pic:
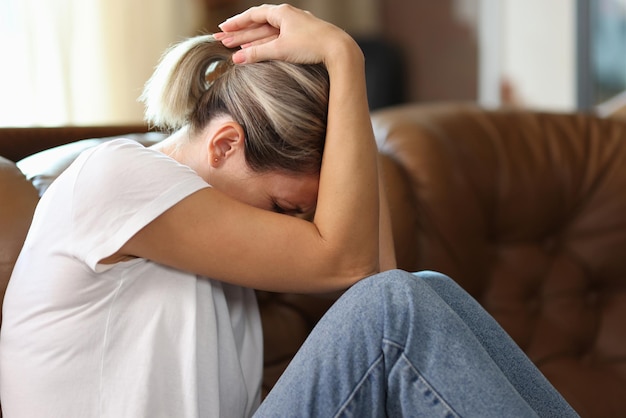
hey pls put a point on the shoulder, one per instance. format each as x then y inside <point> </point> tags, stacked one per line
<point>123,167</point>
<point>127,156</point>
<point>118,148</point>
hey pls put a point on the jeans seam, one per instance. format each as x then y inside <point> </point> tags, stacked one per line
<point>350,397</point>
<point>421,375</point>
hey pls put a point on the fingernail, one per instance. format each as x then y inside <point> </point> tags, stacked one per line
<point>239,57</point>
<point>219,35</point>
<point>220,25</point>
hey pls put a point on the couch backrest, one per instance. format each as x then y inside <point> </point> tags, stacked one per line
<point>18,199</point>
<point>527,211</point>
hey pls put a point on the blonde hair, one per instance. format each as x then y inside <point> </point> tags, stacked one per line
<point>282,107</point>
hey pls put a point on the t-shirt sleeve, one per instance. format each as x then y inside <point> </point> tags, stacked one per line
<point>120,188</point>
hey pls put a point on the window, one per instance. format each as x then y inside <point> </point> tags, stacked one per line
<point>78,62</point>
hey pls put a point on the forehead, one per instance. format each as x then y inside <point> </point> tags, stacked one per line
<point>296,189</point>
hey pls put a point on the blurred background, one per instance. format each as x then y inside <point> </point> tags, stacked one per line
<point>84,62</point>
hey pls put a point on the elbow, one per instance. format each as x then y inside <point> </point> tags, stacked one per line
<point>346,262</point>
<point>350,270</point>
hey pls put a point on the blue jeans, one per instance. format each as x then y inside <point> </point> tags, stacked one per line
<point>404,345</point>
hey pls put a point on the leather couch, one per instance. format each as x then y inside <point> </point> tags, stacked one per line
<point>525,209</point>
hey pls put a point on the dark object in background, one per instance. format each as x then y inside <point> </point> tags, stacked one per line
<point>384,72</point>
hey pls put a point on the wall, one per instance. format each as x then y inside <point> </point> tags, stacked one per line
<point>439,42</point>
<point>436,39</point>
<point>355,16</point>
<point>496,52</point>
<point>538,52</point>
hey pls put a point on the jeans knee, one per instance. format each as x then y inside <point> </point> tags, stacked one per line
<point>443,285</point>
<point>397,292</point>
<point>389,278</point>
<point>430,275</point>
<point>394,282</point>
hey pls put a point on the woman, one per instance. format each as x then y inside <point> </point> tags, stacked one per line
<point>110,310</point>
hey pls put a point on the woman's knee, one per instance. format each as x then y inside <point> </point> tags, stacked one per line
<point>401,279</point>
<point>396,284</point>
<point>387,280</point>
<point>395,293</point>
<point>433,276</point>
<point>443,285</point>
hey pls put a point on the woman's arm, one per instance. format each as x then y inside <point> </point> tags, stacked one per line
<point>211,234</point>
<point>387,247</point>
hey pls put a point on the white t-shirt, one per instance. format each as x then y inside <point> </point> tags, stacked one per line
<point>133,339</point>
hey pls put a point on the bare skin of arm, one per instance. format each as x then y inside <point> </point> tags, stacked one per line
<point>210,234</point>
<point>387,249</point>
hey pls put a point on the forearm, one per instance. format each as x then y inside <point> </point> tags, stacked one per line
<point>387,248</point>
<point>347,213</point>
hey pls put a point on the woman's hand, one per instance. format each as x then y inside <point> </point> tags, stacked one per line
<point>284,33</point>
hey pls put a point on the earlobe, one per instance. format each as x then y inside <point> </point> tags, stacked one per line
<point>225,141</point>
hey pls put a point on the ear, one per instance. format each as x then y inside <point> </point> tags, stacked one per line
<point>226,140</point>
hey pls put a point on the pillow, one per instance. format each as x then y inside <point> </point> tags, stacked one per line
<point>43,167</point>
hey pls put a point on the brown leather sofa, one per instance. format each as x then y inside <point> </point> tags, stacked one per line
<point>526,210</point>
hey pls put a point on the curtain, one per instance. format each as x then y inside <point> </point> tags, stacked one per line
<point>84,62</point>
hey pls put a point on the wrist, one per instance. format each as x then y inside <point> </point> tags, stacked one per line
<point>343,51</point>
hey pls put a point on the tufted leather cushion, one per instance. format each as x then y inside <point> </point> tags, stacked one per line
<point>527,211</point>
<point>17,206</point>
<point>18,143</point>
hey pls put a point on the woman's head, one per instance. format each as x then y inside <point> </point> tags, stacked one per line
<point>282,107</point>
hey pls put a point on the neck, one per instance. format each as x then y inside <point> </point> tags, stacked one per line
<point>182,147</point>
